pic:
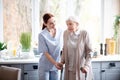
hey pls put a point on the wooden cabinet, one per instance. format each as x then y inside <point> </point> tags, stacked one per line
<point>96,70</point>
<point>31,72</point>
<point>111,74</point>
<point>102,70</point>
<point>110,71</point>
<point>106,70</point>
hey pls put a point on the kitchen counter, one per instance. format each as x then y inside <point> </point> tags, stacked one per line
<point>107,58</point>
<point>19,61</point>
<point>36,59</point>
<point>101,65</point>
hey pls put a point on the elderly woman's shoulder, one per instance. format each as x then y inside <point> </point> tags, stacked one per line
<point>66,32</point>
<point>83,31</point>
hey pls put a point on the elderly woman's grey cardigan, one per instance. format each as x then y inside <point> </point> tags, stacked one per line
<point>82,57</point>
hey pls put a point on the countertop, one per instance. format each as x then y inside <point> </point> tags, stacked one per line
<point>36,59</point>
<point>19,61</point>
<point>107,58</point>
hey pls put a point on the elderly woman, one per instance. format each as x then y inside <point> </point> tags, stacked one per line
<point>76,52</point>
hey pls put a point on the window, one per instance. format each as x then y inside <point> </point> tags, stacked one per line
<point>1,21</point>
<point>88,11</point>
<point>96,16</point>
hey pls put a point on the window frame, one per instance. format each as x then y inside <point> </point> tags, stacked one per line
<point>1,20</point>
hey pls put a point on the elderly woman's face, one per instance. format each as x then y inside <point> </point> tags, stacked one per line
<point>72,26</point>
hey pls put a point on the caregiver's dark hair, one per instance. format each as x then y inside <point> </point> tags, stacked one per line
<point>46,17</point>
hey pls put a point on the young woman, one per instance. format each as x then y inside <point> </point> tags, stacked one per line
<point>50,45</point>
<point>76,52</point>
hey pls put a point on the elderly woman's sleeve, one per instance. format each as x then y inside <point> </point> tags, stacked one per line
<point>63,57</point>
<point>63,51</point>
<point>88,52</point>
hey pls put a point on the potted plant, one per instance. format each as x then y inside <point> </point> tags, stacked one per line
<point>3,46</point>
<point>25,40</point>
<point>116,26</point>
<point>117,33</point>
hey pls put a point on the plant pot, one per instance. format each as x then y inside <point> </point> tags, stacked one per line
<point>25,55</point>
<point>25,50</point>
<point>25,40</point>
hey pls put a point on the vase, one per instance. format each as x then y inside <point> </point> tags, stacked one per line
<point>25,55</point>
<point>25,50</point>
<point>111,46</point>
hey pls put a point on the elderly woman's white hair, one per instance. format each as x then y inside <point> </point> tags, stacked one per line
<point>73,18</point>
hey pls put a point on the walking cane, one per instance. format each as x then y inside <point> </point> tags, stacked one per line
<point>85,76</point>
<point>61,70</point>
<point>61,74</point>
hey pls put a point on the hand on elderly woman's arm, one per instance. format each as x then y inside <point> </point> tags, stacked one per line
<point>59,65</point>
<point>83,70</point>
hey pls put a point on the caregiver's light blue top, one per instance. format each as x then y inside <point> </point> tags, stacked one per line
<point>52,45</point>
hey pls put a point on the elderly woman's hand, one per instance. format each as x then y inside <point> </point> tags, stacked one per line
<point>83,70</point>
<point>59,65</point>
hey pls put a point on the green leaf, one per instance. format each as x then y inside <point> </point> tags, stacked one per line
<point>3,46</point>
